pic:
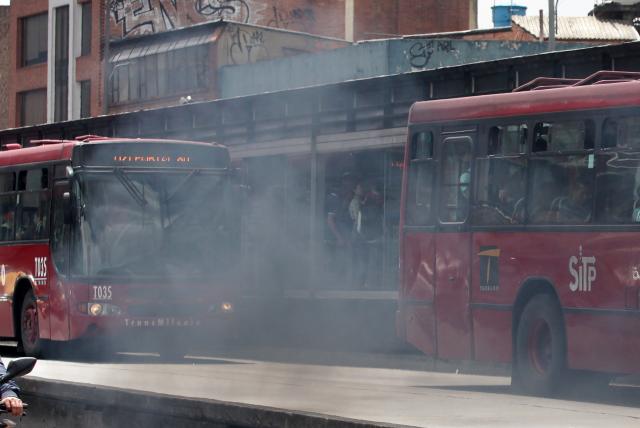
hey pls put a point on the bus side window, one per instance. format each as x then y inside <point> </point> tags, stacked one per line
<point>561,190</point>
<point>500,191</point>
<point>420,186</point>
<point>621,132</point>
<point>507,140</point>
<point>618,189</point>
<point>455,180</point>
<point>7,220</point>
<point>33,205</point>
<point>7,182</point>
<point>564,136</point>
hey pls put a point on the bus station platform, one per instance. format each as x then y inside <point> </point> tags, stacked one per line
<point>230,392</point>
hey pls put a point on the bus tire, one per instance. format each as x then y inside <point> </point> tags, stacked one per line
<point>541,347</point>
<point>30,342</point>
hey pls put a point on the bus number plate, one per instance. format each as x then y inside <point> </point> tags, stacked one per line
<point>102,292</point>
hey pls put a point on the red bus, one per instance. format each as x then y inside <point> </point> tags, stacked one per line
<point>520,222</point>
<point>100,235</point>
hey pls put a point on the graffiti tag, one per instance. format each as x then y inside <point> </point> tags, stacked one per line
<point>247,46</point>
<point>420,52</point>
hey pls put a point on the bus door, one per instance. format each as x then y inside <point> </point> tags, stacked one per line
<point>453,249</point>
<point>59,241</point>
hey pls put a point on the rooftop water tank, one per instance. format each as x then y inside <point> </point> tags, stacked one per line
<point>502,14</point>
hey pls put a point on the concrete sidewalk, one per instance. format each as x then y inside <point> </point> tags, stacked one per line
<point>387,397</point>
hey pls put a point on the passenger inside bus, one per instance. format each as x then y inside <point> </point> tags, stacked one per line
<point>6,228</point>
<point>573,208</point>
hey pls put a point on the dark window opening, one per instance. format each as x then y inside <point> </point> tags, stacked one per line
<point>85,98</point>
<point>61,60</point>
<point>85,43</point>
<point>33,107</point>
<point>34,40</point>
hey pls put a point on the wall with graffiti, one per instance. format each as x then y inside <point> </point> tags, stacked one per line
<point>244,44</point>
<point>137,17</point>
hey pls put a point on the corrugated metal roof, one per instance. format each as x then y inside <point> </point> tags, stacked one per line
<point>579,28</point>
<point>137,51</point>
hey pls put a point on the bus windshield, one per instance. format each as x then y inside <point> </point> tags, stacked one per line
<point>150,223</point>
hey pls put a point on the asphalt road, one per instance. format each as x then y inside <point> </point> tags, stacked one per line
<point>407,396</point>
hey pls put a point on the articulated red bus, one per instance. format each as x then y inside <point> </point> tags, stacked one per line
<point>103,235</point>
<point>520,225</point>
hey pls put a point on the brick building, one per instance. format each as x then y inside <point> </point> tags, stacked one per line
<point>57,71</point>
<point>352,20</point>
<point>4,64</point>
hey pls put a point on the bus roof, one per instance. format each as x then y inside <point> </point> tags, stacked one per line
<point>569,98</point>
<point>56,150</point>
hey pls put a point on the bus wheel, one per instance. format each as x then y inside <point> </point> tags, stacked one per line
<point>30,341</point>
<point>541,347</point>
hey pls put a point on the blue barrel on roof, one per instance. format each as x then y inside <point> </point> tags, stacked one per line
<point>502,14</point>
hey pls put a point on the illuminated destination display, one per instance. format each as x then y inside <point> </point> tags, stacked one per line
<point>151,154</point>
<point>150,159</point>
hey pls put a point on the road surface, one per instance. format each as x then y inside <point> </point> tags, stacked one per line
<point>399,396</point>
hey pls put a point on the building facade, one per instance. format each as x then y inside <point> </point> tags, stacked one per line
<point>57,73</point>
<point>4,65</point>
<point>182,66</point>
<point>352,20</point>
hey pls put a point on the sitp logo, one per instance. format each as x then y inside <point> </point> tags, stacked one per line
<point>583,271</point>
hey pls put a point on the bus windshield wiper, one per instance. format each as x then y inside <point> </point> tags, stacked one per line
<point>182,185</point>
<point>135,193</point>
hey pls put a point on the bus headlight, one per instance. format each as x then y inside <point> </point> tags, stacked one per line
<point>97,309</point>
<point>226,307</point>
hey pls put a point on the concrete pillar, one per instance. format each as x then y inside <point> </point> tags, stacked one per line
<point>349,19</point>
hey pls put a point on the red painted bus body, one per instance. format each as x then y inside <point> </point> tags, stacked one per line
<point>465,284</point>
<point>72,300</point>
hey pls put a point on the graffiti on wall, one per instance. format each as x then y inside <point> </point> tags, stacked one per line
<point>232,10</point>
<point>297,19</point>
<point>137,17</point>
<point>247,46</point>
<point>420,52</point>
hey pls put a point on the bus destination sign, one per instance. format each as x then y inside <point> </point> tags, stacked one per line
<point>151,154</point>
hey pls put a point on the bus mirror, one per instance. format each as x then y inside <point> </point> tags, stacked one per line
<point>67,208</point>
